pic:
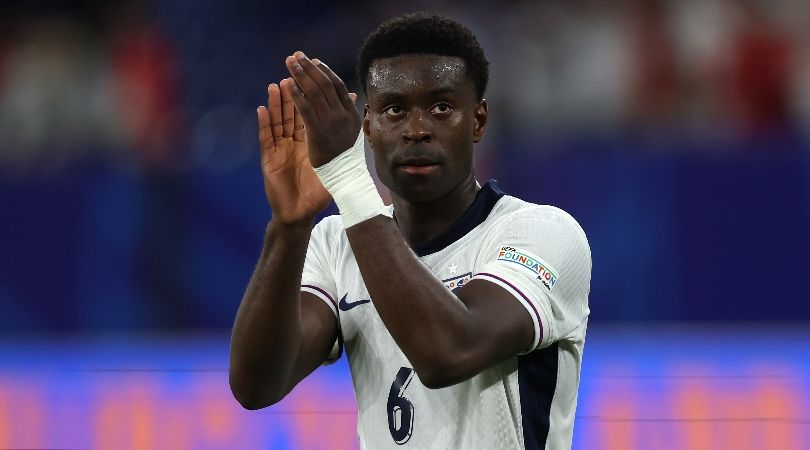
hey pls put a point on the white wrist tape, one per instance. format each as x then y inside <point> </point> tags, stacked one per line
<point>348,181</point>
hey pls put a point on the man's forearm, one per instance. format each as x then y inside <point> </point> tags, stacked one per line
<point>267,332</point>
<point>427,321</point>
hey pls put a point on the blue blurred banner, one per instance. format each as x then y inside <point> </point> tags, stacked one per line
<point>686,236</point>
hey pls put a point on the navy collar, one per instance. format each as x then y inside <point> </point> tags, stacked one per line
<point>485,200</point>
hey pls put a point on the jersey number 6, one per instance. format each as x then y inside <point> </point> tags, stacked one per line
<point>400,409</point>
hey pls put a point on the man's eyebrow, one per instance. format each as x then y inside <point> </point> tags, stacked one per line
<point>388,95</point>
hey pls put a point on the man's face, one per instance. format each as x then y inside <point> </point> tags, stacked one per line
<point>421,120</point>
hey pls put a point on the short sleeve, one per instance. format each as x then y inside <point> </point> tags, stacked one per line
<point>317,277</point>
<point>541,256</point>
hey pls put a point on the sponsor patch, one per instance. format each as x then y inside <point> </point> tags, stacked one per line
<point>547,276</point>
<point>457,281</point>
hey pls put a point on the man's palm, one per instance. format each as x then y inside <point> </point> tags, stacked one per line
<point>293,190</point>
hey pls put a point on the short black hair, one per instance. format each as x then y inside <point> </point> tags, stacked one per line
<point>428,34</point>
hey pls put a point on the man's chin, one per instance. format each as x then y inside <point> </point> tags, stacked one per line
<point>420,190</point>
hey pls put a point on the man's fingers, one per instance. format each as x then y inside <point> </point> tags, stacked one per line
<point>319,77</point>
<point>287,107</point>
<point>266,143</point>
<point>306,85</point>
<point>339,87</point>
<point>299,133</point>
<point>302,103</point>
<point>353,98</point>
<point>274,106</point>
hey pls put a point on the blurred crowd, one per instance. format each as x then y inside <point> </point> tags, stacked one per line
<point>83,80</point>
<point>689,66</point>
<point>173,84</point>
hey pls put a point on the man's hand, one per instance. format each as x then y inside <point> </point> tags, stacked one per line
<point>293,190</point>
<point>327,108</point>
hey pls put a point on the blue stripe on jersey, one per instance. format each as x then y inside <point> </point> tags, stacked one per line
<point>537,381</point>
<point>485,200</point>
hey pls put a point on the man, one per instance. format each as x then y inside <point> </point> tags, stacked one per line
<point>462,310</point>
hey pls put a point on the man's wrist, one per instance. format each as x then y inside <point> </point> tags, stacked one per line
<point>301,227</point>
<point>349,182</point>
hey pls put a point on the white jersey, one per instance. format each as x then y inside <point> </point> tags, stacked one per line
<point>537,253</point>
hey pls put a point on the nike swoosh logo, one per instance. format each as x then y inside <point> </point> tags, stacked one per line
<point>345,306</point>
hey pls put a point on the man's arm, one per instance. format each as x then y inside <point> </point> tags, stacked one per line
<point>447,337</point>
<point>278,338</point>
<point>281,334</point>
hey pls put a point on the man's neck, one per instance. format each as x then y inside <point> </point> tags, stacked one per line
<point>422,222</point>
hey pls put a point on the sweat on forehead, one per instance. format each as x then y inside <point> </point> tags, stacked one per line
<point>408,71</point>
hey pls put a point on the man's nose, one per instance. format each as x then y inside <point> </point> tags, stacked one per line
<point>417,129</point>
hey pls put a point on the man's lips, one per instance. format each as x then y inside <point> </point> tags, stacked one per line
<point>418,166</point>
<point>419,170</point>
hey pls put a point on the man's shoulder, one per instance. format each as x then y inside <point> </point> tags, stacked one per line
<point>511,209</point>
<point>328,231</point>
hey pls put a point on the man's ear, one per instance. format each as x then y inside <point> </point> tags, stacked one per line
<point>366,122</point>
<point>480,117</point>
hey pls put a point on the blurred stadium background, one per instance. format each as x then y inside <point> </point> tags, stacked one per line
<point>677,132</point>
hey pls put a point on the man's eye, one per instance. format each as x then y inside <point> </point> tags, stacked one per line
<point>393,110</point>
<point>442,108</point>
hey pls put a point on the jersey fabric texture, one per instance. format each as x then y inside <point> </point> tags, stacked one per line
<point>537,253</point>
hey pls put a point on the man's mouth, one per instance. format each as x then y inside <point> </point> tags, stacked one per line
<point>419,170</point>
<point>418,166</point>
